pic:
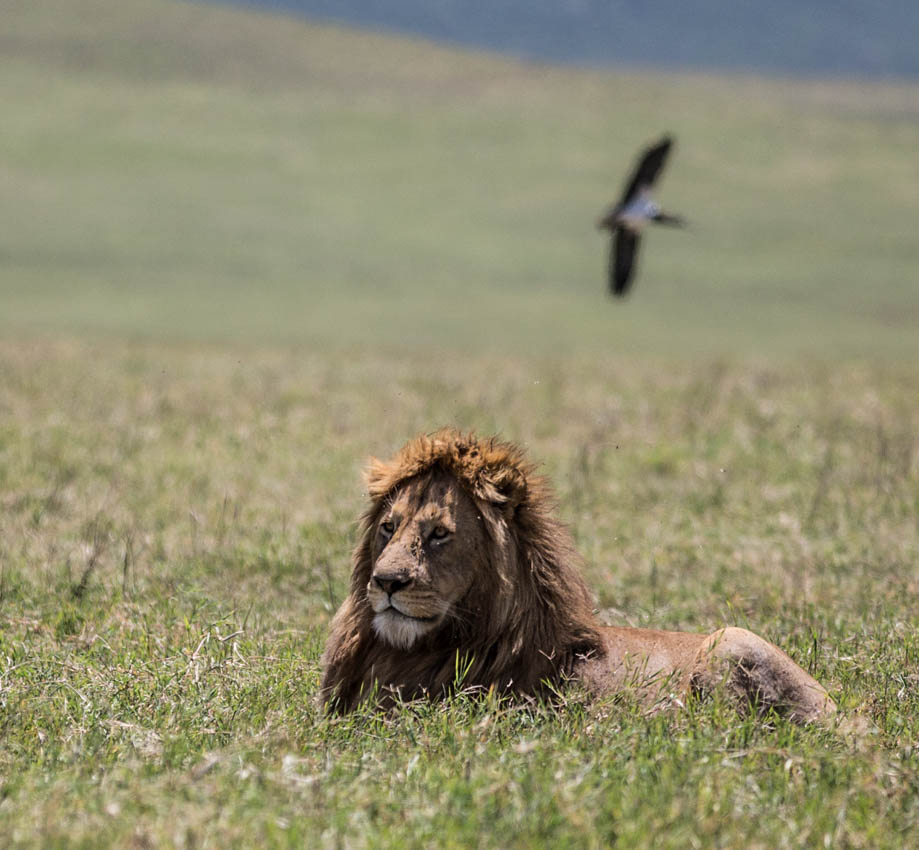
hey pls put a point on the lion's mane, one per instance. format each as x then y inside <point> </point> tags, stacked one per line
<point>534,614</point>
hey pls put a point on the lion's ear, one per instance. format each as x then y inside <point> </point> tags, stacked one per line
<point>377,477</point>
<point>510,487</point>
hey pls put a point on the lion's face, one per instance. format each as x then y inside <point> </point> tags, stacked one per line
<point>427,542</point>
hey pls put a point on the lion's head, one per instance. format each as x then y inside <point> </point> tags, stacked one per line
<point>459,565</point>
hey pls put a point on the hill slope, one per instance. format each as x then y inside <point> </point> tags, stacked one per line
<point>200,172</point>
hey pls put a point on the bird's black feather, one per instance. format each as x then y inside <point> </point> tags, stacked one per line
<point>648,169</point>
<point>622,252</point>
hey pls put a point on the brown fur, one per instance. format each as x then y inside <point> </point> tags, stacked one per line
<point>504,601</point>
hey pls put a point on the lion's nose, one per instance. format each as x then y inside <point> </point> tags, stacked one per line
<point>389,584</point>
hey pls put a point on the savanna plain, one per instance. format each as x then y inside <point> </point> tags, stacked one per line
<point>240,253</point>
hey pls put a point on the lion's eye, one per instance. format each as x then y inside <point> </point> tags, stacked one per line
<point>440,533</point>
<point>388,527</point>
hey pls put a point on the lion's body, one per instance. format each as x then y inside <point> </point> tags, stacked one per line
<point>463,575</point>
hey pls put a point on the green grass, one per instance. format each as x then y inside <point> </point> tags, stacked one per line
<point>174,537</point>
<point>238,254</point>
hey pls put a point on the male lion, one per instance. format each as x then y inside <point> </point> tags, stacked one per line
<point>461,566</point>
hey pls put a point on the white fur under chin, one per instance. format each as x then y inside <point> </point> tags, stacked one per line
<point>399,631</point>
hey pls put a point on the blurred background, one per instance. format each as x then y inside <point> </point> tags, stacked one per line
<point>412,174</point>
<point>815,36</point>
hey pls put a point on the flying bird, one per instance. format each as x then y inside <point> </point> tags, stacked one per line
<point>635,209</point>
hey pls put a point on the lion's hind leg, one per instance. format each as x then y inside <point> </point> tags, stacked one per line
<point>758,675</point>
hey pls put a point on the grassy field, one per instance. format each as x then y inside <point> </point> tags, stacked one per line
<point>194,172</point>
<point>238,254</point>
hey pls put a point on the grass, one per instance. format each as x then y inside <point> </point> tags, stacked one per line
<point>239,254</point>
<point>176,526</point>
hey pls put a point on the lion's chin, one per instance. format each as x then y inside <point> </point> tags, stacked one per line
<point>398,630</point>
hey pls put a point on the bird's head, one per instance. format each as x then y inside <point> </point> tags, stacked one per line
<point>608,220</point>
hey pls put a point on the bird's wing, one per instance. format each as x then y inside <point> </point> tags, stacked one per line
<point>623,249</point>
<point>648,168</point>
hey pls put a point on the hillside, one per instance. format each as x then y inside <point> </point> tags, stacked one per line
<point>198,172</point>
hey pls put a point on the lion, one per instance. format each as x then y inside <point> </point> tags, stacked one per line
<point>463,577</point>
